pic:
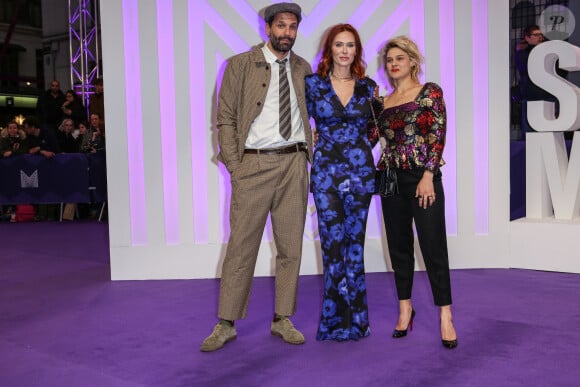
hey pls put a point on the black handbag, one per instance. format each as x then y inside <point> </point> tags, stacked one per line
<point>385,179</point>
<point>386,182</point>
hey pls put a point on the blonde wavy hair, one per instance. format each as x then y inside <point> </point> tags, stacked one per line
<point>62,124</point>
<point>410,48</point>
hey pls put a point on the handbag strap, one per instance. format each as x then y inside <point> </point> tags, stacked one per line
<point>382,140</point>
<point>373,112</point>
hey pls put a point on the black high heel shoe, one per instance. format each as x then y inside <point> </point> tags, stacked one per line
<point>397,334</point>
<point>449,344</point>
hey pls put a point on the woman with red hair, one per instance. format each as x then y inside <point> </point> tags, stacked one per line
<point>339,98</point>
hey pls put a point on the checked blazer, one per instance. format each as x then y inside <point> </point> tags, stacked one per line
<point>241,99</point>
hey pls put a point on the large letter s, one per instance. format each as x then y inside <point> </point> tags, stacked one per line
<point>542,71</point>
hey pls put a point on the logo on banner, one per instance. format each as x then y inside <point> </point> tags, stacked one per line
<point>29,181</point>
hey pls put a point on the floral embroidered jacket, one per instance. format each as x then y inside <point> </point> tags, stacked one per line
<point>415,131</point>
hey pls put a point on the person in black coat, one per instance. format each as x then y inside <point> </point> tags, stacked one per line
<point>67,141</point>
<point>529,91</point>
<point>40,141</point>
<point>73,108</point>
<point>49,107</point>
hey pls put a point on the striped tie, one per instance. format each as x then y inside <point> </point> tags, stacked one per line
<point>284,101</point>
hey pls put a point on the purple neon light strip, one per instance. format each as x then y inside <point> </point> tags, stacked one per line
<point>405,11</point>
<point>247,13</point>
<point>416,10</point>
<point>166,55</point>
<point>311,22</point>
<point>218,24</point>
<point>480,115</point>
<point>137,200</point>
<point>198,128</point>
<point>447,66</point>
<point>223,175</point>
<point>363,12</point>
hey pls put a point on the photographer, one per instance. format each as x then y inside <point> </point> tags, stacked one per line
<point>93,139</point>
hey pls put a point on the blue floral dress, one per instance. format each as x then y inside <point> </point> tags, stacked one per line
<point>342,183</point>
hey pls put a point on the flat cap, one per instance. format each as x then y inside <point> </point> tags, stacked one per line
<point>277,8</point>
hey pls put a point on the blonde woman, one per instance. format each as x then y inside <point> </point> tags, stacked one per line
<point>413,124</point>
<point>67,140</point>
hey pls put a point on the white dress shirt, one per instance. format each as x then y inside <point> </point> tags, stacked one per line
<point>265,130</point>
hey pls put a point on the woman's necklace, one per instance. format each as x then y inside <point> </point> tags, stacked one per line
<point>342,79</point>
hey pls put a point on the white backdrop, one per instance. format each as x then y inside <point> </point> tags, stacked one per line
<point>168,196</point>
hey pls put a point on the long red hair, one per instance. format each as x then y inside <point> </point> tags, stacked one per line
<point>325,65</point>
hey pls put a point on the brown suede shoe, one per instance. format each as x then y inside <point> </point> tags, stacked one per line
<point>221,334</point>
<point>285,329</point>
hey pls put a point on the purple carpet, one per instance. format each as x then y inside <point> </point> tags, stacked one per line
<point>64,323</point>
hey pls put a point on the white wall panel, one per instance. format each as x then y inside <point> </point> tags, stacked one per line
<point>169,197</point>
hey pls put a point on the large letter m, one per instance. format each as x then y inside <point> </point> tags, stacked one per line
<point>552,182</point>
<point>29,181</point>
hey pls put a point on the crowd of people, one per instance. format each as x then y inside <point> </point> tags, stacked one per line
<point>59,126</point>
<point>266,100</point>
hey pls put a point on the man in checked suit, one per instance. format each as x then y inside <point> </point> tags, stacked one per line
<point>265,142</point>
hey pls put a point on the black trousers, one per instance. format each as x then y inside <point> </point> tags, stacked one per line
<point>399,211</point>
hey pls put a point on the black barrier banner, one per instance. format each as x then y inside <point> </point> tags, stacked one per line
<point>97,176</point>
<point>63,178</point>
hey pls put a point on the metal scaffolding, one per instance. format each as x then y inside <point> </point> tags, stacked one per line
<point>84,46</point>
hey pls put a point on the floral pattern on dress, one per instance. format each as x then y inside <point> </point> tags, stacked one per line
<point>342,182</point>
<point>342,221</point>
<point>343,159</point>
<point>415,131</point>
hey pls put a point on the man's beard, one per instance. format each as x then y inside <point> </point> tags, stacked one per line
<point>279,46</point>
